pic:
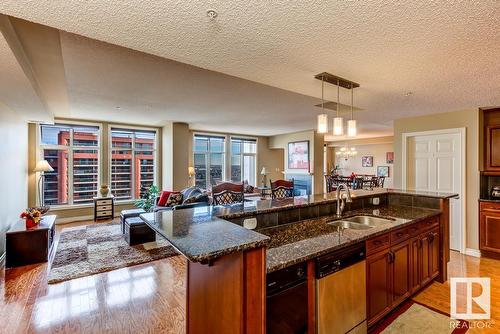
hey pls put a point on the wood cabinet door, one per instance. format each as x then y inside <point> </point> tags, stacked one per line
<point>425,272</point>
<point>434,252</point>
<point>416,264</point>
<point>489,231</point>
<point>492,148</point>
<point>401,272</point>
<point>378,285</point>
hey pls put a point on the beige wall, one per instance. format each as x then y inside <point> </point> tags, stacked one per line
<point>14,170</point>
<point>316,144</point>
<point>468,119</point>
<point>353,164</point>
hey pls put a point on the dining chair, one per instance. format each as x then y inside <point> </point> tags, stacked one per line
<point>228,193</point>
<point>281,189</point>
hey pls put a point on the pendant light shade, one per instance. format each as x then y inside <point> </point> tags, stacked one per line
<point>351,128</point>
<point>322,123</point>
<point>338,126</point>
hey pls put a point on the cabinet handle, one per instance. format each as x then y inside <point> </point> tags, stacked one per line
<point>400,234</point>
<point>390,257</point>
<point>377,242</point>
<point>431,237</point>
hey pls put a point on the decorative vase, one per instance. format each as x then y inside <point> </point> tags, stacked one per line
<point>30,223</point>
<point>104,190</point>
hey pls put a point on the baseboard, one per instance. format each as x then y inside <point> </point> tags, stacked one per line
<point>473,252</point>
<point>68,220</point>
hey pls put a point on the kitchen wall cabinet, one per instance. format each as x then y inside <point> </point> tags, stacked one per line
<point>401,267</point>
<point>491,137</point>
<point>489,229</point>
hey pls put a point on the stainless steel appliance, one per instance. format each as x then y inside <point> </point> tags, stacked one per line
<point>341,291</point>
<point>286,302</point>
<point>495,192</point>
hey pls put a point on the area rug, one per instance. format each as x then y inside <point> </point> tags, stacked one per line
<point>96,248</point>
<point>412,317</point>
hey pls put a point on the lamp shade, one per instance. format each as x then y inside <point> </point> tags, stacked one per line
<point>191,171</point>
<point>322,123</point>
<point>351,128</point>
<point>263,171</point>
<point>338,126</point>
<point>43,166</point>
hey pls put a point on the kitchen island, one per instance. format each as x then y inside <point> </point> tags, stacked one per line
<point>229,250</point>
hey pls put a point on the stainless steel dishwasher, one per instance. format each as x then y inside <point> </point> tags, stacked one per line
<point>341,291</point>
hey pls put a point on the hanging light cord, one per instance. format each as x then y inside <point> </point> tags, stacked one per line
<point>322,94</point>
<point>352,102</point>
<point>338,97</point>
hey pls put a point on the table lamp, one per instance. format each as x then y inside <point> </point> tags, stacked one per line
<point>191,173</point>
<point>41,167</point>
<point>263,172</point>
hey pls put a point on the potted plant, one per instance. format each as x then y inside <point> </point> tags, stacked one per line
<point>147,201</point>
<point>32,217</point>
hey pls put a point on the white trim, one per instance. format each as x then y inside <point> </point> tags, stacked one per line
<point>473,252</point>
<point>2,260</point>
<point>463,144</point>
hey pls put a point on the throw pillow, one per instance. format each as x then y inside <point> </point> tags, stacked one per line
<point>174,199</point>
<point>164,198</point>
<point>203,197</point>
<point>189,200</point>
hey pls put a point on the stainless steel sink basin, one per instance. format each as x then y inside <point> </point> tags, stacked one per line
<point>348,224</point>
<point>368,220</point>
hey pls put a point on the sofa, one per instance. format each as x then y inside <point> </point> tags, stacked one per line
<point>188,195</point>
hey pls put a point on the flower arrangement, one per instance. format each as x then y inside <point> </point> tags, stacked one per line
<point>32,217</point>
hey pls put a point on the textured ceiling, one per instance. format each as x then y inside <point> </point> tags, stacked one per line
<point>446,53</point>
<point>16,91</point>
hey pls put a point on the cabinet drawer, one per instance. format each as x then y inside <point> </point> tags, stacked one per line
<point>376,244</point>
<point>103,208</point>
<point>490,206</point>
<point>414,229</point>
<point>399,235</point>
<point>104,202</point>
<point>103,213</point>
<point>429,223</point>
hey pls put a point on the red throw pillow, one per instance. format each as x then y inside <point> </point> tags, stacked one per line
<point>164,198</point>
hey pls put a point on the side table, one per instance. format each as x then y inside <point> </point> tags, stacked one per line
<point>104,207</point>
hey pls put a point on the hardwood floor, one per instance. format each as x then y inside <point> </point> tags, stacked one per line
<point>150,298</point>
<point>147,298</point>
<point>437,295</point>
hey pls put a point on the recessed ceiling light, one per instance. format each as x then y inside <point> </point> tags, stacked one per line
<point>212,14</point>
<point>118,107</point>
<point>408,94</point>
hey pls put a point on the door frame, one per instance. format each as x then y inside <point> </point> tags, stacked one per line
<point>463,149</point>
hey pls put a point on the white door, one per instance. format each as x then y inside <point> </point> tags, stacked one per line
<point>434,164</point>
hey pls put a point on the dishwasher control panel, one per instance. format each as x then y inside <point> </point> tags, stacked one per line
<point>340,259</point>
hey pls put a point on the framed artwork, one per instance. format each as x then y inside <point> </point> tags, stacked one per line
<point>367,161</point>
<point>389,157</point>
<point>383,171</point>
<point>298,155</point>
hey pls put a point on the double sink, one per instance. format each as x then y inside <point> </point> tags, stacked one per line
<point>360,222</point>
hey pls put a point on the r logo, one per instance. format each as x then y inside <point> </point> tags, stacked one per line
<point>482,300</point>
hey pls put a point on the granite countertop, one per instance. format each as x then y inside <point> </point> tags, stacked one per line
<point>490,199</point>
<point>301,241</point>
<point>250,208</point>
<point>200,236</point>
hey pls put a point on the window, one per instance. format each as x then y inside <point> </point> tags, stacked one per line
<point>244,160</point>
<point>209,155</point>
<point>73,152</point>
<point>133,162</point>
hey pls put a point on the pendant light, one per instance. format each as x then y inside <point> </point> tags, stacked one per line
<point>322,118</point>
<point>351,124</point>
<point>338,122</point>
